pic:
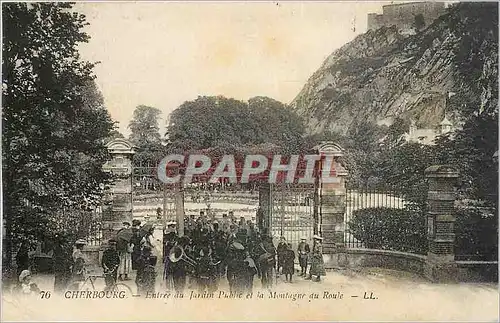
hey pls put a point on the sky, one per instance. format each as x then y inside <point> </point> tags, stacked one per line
<point>162,54</point>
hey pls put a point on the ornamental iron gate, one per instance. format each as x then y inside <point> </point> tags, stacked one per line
<point>294,213</point>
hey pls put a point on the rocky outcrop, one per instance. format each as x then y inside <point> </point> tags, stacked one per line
<point>382,74</point>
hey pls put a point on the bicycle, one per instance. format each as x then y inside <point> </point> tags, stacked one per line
<point>89,284</point>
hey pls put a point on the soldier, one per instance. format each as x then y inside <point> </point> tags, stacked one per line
<point>303,252</point>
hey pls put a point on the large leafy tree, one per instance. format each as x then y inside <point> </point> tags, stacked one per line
<point>233,126</point>
<point>145,135</point>
<point>53,118</point>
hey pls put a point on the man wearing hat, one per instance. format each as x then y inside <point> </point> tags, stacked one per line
<point>125,250</point>
<point>303,252</point>
<point>169,240</point>
<point>110,262</point>
<point>317,264</point>
<point>280,250</point>
<point>235,266</point>
<point>136,241</point>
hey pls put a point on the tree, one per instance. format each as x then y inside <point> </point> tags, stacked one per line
<point>115,134</point>
<point>145,135</point>
<point>231,125</point>
<point>54,122</point>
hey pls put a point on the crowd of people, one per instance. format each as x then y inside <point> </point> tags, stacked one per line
<point>206,252</point>
<point>235,250</point>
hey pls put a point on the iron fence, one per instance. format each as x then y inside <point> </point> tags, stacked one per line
<point>364,198</point>
<point>80,223</point>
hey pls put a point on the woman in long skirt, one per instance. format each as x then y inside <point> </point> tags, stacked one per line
<point>125,262</point>
<point>317,264</point>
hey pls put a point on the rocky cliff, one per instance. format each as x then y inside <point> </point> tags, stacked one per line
<point>382,74</point>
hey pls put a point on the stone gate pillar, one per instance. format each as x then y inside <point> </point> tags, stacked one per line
<point>440,264</point>
<point>264,213</point>
<point>332,204</point>
<point>118,207</point>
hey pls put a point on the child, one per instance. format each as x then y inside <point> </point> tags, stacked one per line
<point>250,271</point>
<point>288,262</point>
<point>317,264</point>
<point>27,287</point>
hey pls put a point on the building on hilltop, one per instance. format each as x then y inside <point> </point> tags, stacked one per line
<point>405,16</point>
<point>426,136</point>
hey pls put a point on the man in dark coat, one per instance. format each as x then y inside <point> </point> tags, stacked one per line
<point>280,250</point>
<point>236,267</point>
<point>303,252</point>
<point>267,260</point>
<point>146,274</point>
<point>136,241</point>
<point>110,262</point>
<point>288,263</point>
<point>250,269</point>
<point>219,244</point>
<point>206,271</point>
<point>179,268</point>
<point>170,239</point>
<point>62,264</point>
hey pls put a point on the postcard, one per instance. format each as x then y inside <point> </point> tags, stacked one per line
<point>249,161</point>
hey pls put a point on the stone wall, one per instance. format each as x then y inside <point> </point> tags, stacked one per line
<point>353,258</point>
<point>477,271</point>
<point>358,257</point>
<point>403,15</point>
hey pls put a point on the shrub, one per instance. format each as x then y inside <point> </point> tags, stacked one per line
<point>390,229</point>
<point>476,232</point>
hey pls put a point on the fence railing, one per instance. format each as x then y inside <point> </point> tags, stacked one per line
<point>82,224</point>
<point>363,198</point>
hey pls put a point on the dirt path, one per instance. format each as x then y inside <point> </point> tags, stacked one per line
<point>371,294</point>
